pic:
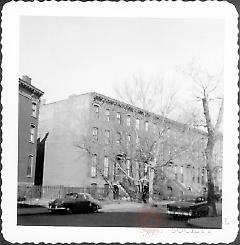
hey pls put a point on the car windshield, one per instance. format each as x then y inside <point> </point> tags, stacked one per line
<point>71,195</point>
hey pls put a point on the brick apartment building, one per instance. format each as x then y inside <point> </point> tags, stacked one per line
<point>29,99</point>
<point>87,132</point>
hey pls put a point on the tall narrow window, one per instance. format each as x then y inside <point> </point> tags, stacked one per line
<point>95,133</point>
<point>175,172</point>
<point>107,136</point>
<point>96,110</point>
<point>198,178</point>
<point>182,177</point>
<point>94,166</point>
<point>146,124</point>
<point>30,166</point>
<point>203,173</point>
<point>128,140</point>
<point>137,141</point>
<point>34,109</point>
<point>193,174</point>
<point>118,117</point>
<point>106,167</point>
<point>32,133</point>
<point>107,113</point>
<point>118,140</point>
<point>128,120</point>
<point>137,123</point>
<point>128,162</point>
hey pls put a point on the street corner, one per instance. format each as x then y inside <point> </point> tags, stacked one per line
<point>206,222</point>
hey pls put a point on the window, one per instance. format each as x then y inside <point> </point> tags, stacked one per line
<point>29,166</point>
<point>106,167</point>
<point>94,166</point>
<point>34,109</point>
<point>32,133</point>
<point>107,136</point>
<point>137,141</point>
<point>95,133</point>
<point>118,140</point>
<point>145,168</point>
<point>107,113</point>
<point>203,173</point>
<point>182,177</point>
<point>128,120</point>
<point>175,172</point>
<point>128,167</point>
<point>118,117</point>
<point>137,123</point>
<point>193,174</point>
<point>96,110</point>
<point>146,124</point>
<point>128,140</point>
<point>198,178</point>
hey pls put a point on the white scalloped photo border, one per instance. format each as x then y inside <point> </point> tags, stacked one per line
<point>11,14</point>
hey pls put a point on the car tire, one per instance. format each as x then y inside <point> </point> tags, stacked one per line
<point>94,209</point>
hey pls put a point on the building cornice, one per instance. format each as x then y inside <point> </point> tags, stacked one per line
<point>141,112</point>
<point>29,86</point>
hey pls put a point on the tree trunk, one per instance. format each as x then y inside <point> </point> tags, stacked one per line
<point>211,194</point>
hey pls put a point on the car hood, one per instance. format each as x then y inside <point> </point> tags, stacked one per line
<point>181,204</point>
<point>61,200</point>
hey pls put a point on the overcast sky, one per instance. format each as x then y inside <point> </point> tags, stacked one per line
<point>74,55</point>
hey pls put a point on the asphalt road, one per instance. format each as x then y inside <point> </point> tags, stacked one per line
<point>110,219</point>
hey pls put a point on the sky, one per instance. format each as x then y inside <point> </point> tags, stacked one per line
<point>75,55</point>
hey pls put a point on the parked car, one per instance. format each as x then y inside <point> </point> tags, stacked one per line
<point>189,206</point>
<point>75,202</point>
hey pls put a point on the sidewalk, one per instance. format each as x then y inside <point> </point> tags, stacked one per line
<point>207,222</point>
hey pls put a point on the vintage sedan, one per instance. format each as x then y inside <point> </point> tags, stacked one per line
<point>75,202</point>
<point>189,206</point>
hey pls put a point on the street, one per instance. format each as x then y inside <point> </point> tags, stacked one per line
<point>138,218</point>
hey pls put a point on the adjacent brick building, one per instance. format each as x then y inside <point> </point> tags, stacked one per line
<point>87,131</point>
<point>28,111</point>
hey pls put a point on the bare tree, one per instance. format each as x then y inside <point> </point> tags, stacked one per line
<point>148,94</point>
<point>207,90</point>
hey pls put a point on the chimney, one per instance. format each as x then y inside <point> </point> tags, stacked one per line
<point>26,79</point>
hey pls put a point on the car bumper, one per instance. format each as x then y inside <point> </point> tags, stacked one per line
<point>181,213</point>
<point>56,208</point>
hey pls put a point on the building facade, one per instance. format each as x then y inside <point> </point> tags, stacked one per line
<point>87,132</point>
<point>28,112</point>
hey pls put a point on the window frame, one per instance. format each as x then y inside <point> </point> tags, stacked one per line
<point>32,133</point>
<point>146,126</point>
<point>34,109</point>
<point>94,166</point>
<point>128,120</point>
<point>95,133</point>
<point>128,167</point>
<point>106,167</point>
<point>137,123</point>
<point>30,160</point>
<point>107,114</point>
<point>118,117</point>
<point>96,112</point>
<point>118,138</point>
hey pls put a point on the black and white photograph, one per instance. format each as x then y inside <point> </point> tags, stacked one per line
<point>125,122</point>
